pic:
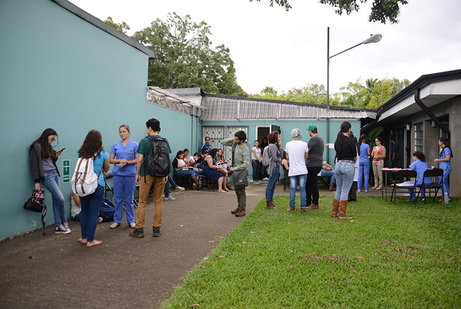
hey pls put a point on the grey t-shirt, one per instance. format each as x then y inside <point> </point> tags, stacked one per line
<point>315,146</point>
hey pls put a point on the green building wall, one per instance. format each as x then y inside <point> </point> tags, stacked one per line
<point>60,71</point>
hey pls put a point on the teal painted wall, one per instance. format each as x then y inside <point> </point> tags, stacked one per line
<point>288,125</point>
<point>59,71</point>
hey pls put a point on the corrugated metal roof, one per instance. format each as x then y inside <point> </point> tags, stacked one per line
<point>158,96</point>
<point>221,107</point>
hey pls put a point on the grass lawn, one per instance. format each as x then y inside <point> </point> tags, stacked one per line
<point>388,256</point>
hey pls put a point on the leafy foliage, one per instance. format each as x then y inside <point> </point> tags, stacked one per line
<point>122,27</point>
<point>381,10</point>
<point>185,57</point>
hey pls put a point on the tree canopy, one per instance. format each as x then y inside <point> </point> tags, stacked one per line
<point>122,27</point>
<point>371,95</point>
<point>185,57</point>
<point>381,10</point>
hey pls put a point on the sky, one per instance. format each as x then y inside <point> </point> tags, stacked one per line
<point>285,50</point>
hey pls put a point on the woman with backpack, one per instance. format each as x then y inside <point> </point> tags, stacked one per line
<point>43,159</point>
<point>92,149</point>
<point>123,156</point>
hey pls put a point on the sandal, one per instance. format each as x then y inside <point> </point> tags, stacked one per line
<point>222,191</point>
<point>82,241</point>
<point>94,243</point>
<point>227,190</point>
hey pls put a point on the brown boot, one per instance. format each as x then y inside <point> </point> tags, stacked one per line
<point>335,209</point>
<point>342,211</point>
<point>270,205</point>
<point>241,213</point>
<point>235,211</point>
<point>196,184</point>
<point>332,187</point>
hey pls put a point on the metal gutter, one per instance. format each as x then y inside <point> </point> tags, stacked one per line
<point>430,114</point>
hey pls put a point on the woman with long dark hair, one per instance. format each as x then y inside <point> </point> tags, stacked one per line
<point>210,170</point>
<point>43,159</point>
<point>92,148</point>
<point>378,155</point>
<point>364,164</point>
<point>273,169</point>
<point>346,156</point>
<point>183,169</point>
<point>445,163</point>
<point>420,166</point>
<point>123,156</point>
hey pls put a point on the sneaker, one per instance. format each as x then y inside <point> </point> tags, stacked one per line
<point>100,219</point>
<point>137,233</point>
<point>132,224</point>
<point>61,230</point>
<point>66,226</point>
<point>178,188</point>
<point>266,178</point>
<point>359,190</point>
<point>114,225</point>
<point>366,191</point>
<point>169,198</point>
<point>156,231</point>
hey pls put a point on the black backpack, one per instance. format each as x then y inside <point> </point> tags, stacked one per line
<point>157,163</point>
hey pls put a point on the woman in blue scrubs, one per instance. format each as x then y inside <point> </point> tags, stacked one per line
<point>123,156</point>
<point>420,166</point>
<point>445,165</point>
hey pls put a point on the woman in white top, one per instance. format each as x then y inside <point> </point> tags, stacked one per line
<point>256,162</point>
<point>183,169</point>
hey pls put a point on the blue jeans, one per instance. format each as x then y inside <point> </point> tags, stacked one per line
<point>412,192</point>
<point>364,169</point>
<point>90,211</point>
<point>344,171</point>
<point>255,165</point>
<point>330,174</point>
<point>444,179</point>
<point>124,186</point>
<point>298,180</point>
<point>166,191</point>
<point>191,173</point>
<point>271,184</point>
<point>51,183</point>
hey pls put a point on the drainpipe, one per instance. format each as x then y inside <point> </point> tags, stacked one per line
<point>431,115</point>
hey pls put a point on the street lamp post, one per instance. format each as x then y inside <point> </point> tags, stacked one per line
<point>374,38</point>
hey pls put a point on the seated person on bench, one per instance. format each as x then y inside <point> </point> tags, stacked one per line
<point>328,171</point>
<point>215,172</point>
<point>183,169</point>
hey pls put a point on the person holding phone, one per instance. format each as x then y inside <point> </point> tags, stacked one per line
<point>43,159</point>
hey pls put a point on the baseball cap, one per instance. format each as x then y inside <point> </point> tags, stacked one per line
<point>312,127</point>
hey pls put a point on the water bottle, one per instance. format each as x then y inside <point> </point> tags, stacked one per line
<point>445,197</point>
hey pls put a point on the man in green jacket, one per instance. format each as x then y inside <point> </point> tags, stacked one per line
<point>241,162</point>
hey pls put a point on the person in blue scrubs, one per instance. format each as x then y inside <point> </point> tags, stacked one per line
<point>445,163</point>
<point>420,166</point>
<point>123,156</point>
<point>364,164</point>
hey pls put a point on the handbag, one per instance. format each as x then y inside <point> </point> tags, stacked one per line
<point>240,177</point>
<point>35,203</point>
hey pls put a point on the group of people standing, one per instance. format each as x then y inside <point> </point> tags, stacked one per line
<point>303,162</point>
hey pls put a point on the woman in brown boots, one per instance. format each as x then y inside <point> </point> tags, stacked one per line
<point>346,155</point>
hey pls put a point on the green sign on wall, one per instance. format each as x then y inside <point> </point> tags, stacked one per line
<point>65,171</point>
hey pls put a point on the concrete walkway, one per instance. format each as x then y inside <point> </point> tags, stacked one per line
<point>58,272</point>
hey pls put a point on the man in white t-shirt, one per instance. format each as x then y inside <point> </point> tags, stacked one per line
<point>297,173</point>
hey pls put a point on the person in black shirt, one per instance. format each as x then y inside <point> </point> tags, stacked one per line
<point>395,153</point>
<point>346,155</point>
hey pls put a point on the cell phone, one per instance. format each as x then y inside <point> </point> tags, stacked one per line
<point>62,149</point>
